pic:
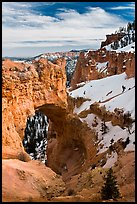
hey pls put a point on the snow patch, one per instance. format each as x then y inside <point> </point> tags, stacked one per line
<point>101,66</point>
<point>84,106</point>
<point>111,159</point>
<point>115,133</point>
<point>128,48</point>
<point>109,88</point>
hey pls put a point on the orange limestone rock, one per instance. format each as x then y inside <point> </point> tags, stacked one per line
<point>102,63</point>
<point>112,38</point>
<point>25,87</point>
<point>29,181</point>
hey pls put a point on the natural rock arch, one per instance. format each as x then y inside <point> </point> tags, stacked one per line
<point>42,86</point>
<point>24,88</point>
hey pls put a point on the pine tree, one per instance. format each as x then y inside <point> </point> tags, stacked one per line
<point>133,25</point>
<point>112,46</point>
<point>133,37</point>
<point>104,129</point>
<point>122,42</point>
<point>129,26</point>
<point>110,189</point>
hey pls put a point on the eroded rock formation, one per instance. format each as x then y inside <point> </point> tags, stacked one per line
<point>112,38</point>
<point>116,63</point>
<point>42,86</point>
<point>24,87</point>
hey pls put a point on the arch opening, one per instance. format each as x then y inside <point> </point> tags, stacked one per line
<point>36,135</point>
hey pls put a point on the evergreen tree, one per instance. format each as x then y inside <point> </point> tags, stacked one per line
<point>121,29</point>
<point>122,43</point>
<point>110,189</point>
<point>129,39</point>
<point>104,129</point>
<point>129,26</point>
<point>133,25</point>
<point>133,37</point>
<point>127,118</point>
<point>112,46</point>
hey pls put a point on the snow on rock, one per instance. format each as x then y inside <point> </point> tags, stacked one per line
<point>116,133</point>
<point>126,101</point>
<point>101,66</point>
<point>90,119</point>
<point>128,48</point>
<point>111,159</point>
<point>131,145</point>
<point>84,106</point>
<point>108,91</point>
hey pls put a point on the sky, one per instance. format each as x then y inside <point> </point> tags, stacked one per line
<point>33,28</point>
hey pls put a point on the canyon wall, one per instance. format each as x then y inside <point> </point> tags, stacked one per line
<point>116,63</point>
<point>24,88</point>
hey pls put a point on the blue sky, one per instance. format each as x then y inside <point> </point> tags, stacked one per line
<point>32,28</point>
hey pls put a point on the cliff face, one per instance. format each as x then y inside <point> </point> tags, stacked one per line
<point>101,63</point>
<point>24,88</point>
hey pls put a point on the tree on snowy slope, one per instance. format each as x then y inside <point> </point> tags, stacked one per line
<point>128,38</point>
<point>129,26</point>
<point>104,128</point>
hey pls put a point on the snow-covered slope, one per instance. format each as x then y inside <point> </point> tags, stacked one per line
<point>114,133</point>
<point>108,92</point>
<point>126,43</point>
<point>128,48</point>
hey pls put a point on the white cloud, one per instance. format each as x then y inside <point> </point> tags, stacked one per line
<point>68,28</point>
<point>129,6</point>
